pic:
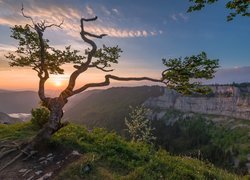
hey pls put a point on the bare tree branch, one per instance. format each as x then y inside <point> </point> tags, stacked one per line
<point>56,25</point>
<point>107,82</point>
<point>28,17</point>
<point>90,19</point>
<point>101,68</point>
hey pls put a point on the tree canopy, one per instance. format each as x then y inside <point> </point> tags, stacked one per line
<point>237,7</point>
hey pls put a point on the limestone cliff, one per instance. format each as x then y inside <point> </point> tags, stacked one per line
<point>225,100</point>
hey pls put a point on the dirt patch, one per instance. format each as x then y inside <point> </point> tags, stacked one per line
<point>44,165</point>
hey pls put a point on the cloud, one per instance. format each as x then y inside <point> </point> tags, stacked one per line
<point>10,14</point>
<point>116,11</point>
<point>174,17</point>
<point>4,65</point>
<point>90,11</point>
<point>105,10</point>
<point>6,47</point>
<point>4,50</point>
<point>179,16</point>
<point>183,16</point>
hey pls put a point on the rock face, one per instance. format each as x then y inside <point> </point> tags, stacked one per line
<point>225,100</point>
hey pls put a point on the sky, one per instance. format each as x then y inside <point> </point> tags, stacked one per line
<point>145,30</point>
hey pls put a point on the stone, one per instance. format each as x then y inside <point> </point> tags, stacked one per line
<point>226,101</point>
<point>30,178</point>
<point>50,154</point>
<point>44,162</point>
<point>22,170</point>
<point>75,153</point>
<point>39,172</point>
<point>27,172</point>
<point>46,176</point>
<point>50,158</point>
<point>42,158</point>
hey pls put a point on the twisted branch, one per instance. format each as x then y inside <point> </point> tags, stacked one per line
<point>84,66</point>
<point>101,68</point>
<point>107,82</point>
<point>28,17</point>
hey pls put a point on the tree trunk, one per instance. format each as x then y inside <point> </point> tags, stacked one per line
<point>55,106</point>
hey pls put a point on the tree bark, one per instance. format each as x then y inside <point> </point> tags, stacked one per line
<point>55,107</point>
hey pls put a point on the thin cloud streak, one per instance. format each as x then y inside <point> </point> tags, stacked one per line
<point>55,14</point>
<point>179,16</point>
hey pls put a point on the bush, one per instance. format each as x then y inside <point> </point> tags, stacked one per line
<point>139,126</point>
<point>40,116</point>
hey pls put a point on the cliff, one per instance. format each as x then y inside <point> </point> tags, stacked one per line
<point>224,100</point>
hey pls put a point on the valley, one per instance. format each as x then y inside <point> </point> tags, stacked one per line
<point>213,128</point>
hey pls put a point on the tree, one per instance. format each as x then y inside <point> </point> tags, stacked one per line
<point>238,7</point>
<point>34,51</point>
<point>139,126</point>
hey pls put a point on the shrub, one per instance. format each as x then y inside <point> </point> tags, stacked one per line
<point>139,126</point>
<point>40,116</point>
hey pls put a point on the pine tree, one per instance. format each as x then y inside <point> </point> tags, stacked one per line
<point>139,126</point>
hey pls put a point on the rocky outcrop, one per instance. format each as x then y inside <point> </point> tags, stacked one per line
<point>225,100</point>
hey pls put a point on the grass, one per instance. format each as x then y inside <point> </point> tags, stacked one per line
<point>18,131</point>
<point>109,156</point>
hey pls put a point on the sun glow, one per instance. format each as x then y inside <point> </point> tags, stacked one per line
<point>57,82</point>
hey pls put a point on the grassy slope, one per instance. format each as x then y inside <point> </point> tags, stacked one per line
<point>111,157</point>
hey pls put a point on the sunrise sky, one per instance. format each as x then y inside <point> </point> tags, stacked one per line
<point>146,31</point>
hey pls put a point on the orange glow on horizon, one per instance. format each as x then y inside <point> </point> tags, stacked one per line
<point>26,79</point>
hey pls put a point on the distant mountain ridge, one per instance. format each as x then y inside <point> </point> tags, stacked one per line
<point>23,101</point>
<point>107,108</point>
<point>18,101</point>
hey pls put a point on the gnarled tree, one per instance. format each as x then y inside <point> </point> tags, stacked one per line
<point>34,51</point>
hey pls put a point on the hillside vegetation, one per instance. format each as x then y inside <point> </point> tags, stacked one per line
<point>106,155</point>
<point>221,140</point>
<point>108,108</point>
<point>225,142</point>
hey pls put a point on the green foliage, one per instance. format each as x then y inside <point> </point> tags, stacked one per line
<point>139,126</point>
<point>40,116</point>
<point>238,7</point>
<point>28,52</point>
<point>111,157</point>
<point>105,56</point>
<point>198,137</point>
<point>181,75</point>
<point>19,131</point>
